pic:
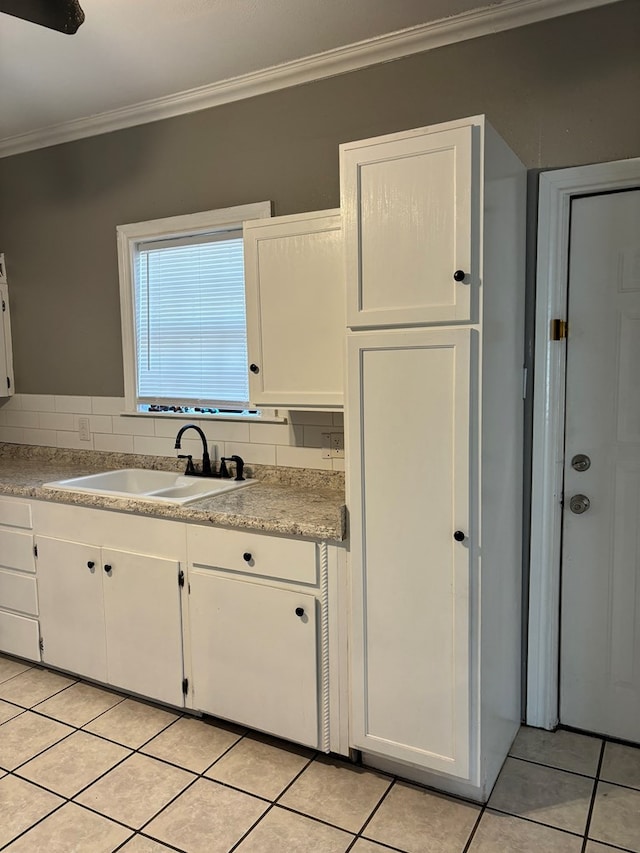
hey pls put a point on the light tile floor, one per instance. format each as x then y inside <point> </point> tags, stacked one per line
<point>85,770</point>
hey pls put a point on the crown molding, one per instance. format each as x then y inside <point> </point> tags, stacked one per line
<point>505,15</point>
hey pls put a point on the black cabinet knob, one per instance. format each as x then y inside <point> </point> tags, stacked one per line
<point>299,611</point>
<point>458,536</point>
<point>247,557</point>
<point>107,568</point>
<point>459,275</point>
<point>254,368</point>
<point>90,564</point>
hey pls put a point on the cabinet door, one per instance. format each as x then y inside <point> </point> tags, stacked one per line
<point>407,213</point>
<point>143,624</point>
<point>294,278</point>
<point>6,353</point>
<point>254,657</point>
<point>409,440</point>
<point>71,607</point>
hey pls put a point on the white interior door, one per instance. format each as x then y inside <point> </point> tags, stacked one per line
<point>600,640</point>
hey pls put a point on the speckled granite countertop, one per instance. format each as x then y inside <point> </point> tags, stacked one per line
<point>308,503</point>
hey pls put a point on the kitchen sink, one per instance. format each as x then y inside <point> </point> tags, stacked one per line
<point>146,485</point>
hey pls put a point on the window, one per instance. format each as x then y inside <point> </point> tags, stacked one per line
<point>183,311</point>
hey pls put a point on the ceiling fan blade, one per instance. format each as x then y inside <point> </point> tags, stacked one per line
<point>65,16</point>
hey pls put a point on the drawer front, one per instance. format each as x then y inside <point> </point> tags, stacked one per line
<point>253,554</point>
<point>18,592</point>
<point>19,636</point>
<point>15,514</point>
<point>16,551</point>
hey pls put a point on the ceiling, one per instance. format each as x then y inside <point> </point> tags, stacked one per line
<point>139,60</point>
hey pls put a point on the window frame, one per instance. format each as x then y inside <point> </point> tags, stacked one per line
<point>131,235</point>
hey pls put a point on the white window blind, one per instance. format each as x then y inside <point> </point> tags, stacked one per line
<point>190,324</point>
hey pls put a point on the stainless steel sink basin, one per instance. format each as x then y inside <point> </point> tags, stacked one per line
<point>145,485</point>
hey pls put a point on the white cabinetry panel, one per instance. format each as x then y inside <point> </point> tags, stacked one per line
<point>143,624</point>
<point>71,609</point>
<point>254,657</point>
<point>407,208</point>
<point>19,592</point>
<point>19,636</point>
<point>411,595</point>
<point>294,276</point>
<point>16,550</point>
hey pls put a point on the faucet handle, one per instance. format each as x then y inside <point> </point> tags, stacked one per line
<point>239,466</point>
<point>189,469</point>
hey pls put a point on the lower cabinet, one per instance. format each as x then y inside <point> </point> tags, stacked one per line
<point>113,616</point>
<point>19,633</point>
<point>229,623</point>
<point>258,622</point>
<point>108,610</point>
<point>254,652</point>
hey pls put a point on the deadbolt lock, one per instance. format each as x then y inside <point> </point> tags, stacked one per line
<point>581,462</point>
<point>579,504</point>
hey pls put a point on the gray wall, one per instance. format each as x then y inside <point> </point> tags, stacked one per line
<point>562,93</point>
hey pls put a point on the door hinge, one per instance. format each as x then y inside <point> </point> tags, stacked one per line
<point>185,686</point>
<point>4,305</point>
<point>35,550</point>
<point>558,330</point>
<point>41,644</point>
<point>8,382</point>
<point>180,578</point>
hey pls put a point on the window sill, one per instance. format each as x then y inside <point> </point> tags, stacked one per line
<point>267,416</point>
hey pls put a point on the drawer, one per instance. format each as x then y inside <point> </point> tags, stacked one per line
<point>16,551</point>
<point>253,554</point>
<point>19,636</point>
<point>18,592</point>
<point>15,514</point>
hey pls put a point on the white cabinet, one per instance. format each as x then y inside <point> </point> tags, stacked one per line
<point>72,608</point>
<point>19,633</point>
<point>258,616</point>
<point>111,613</point>
<point>294,279</point>
<point>409,223</point>
<point>434,450</point>
<point>254,650</point>
<point>6,352</point>
<point>409,494</point>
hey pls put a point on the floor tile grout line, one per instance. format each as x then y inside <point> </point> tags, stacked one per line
<point>483,809</point>
<point>42,751</point>
<point>33,825</point>
<point>592,801</point>
<point>492,809</point>
<point>138,833</point>
<point>551,767</point>
<point>384,796</point>
<point>253,826</point>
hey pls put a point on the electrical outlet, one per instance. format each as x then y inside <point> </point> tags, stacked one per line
<point>337,445</point>
<point>83,429</point>
<point>326,445</point>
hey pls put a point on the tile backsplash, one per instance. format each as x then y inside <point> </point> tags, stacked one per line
<point>54,421</point>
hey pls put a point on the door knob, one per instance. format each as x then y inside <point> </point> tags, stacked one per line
<point>107,568</point>
<point>300,611</point>
<point>459,275</point>
<point>458,536</point>
<point>579,504</point>
<point>581,462</point>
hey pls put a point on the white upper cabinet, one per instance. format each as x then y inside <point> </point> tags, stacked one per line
<point>410,243</point>
<point>6,353</point>
<point>294,278</point>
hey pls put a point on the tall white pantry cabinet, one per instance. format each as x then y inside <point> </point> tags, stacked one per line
<point>434,226</point>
